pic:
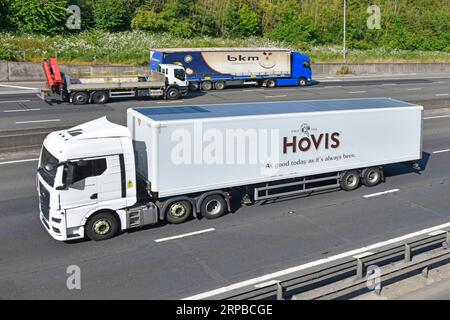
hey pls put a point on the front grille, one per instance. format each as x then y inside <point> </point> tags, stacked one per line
<point>44,199</point>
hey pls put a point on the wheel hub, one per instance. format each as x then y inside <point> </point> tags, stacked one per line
<point>102,227</point>
<point>213,207</point>
<point>178,210</point>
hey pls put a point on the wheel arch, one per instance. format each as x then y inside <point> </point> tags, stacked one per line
<point>100,210</point>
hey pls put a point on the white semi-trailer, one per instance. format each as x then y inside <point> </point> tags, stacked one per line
<point>172,163</point>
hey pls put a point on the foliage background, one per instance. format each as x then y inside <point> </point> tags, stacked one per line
<point>410,29</point>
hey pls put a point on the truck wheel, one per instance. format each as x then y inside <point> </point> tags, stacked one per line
<point>178,211</point>
<point>100,97</point>
<point>302,82</point>
<point>213,206</point>
<point>350,180</point>
<point>219,85</point>
<point>80,98</point>
<point>101,226</point>
<point>371,176</point>
<point>206,85</point>
<point>194,86</point>
<point>271,83</point>
<point>173,94</point>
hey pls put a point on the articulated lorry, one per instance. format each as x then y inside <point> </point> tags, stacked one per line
<point>216,68</point>
<point>169,83</point>
<point>173,163</point>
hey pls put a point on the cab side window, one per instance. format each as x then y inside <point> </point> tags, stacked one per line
<point>89,168</point>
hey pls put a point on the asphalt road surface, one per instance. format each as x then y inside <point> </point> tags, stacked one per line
<point>250,242</point>
<point>20,108</point>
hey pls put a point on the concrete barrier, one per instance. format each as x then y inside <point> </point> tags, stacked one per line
<point>381,68</point>
<point>27,71</point>
<point>14,140</point>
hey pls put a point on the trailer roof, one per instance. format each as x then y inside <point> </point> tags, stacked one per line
<point>171,50</point>
<point>266,108</point>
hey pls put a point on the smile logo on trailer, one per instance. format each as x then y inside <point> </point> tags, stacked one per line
<point>267,61</point>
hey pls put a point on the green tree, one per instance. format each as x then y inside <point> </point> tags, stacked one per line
<point>248,22</point>
<point>112,15</point>
<point>38,16</point>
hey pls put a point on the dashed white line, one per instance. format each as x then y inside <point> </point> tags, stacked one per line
<point>165,102</point>
<point>36,121</point>
<point>414,89</point>
<point>442,94</point>
<point>13,101</point>
<point>279,96</point>
<point>185,235</point>
<point>437,117</point>
<point>441,151</point>
<point>331,87</point>
<point>319,262</point>
<point>21,110</point>
<point>17,87</point>
<point>19,161</point>
<point>381,193</point>
<point>389,84</point>
<point>355,92</point>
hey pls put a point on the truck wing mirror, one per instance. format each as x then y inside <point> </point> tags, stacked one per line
<point>69,169</point>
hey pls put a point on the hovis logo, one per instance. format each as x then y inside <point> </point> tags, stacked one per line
<point>308,140</point>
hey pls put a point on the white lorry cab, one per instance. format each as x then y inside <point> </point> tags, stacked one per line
<point>174,163</point>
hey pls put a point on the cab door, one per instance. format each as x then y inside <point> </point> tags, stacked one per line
<point>81,196</point>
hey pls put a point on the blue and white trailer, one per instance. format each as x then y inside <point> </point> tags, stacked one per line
<point>217,68</point>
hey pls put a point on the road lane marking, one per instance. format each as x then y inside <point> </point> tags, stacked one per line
<point>36,121</point>
<point>437,117</point>
<point>414,89</point>
<point>19,161</point>
<point>354,92</point>
<point>330,87</point>
<point>441,151</point>
<point>381,193</point>
<point>17,87</point>
<point>279,96</point>
<point>389,84</point>
<point>13,101</point>
<point>308,265</point>
<point>442,94</point>
<point>163,102</point>
<point>185,235</point>
<point>21,110</point>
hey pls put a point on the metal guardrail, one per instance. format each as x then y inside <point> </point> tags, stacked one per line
<point>347,276</point>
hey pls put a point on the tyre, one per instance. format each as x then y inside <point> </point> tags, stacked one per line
<point>194,86</point>
<point>213,206</point>
<point>350,180</point>
<point>178,211</point>
<point>219,85</point>
<point>80,98</point>
<point>371,176</point>
<point>100,97</point>
<point>206,85</point>
<point>302,82</point>
<point>173,94</point>
<point>271,83</point>
<point>101,226</point>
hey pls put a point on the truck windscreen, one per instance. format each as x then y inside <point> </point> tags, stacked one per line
<point>180,74</point>
<point>48,167</point>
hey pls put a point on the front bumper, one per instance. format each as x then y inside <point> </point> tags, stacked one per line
<point>56,227</point>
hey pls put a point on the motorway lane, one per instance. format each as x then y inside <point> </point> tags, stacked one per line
<point>250,242</point>
<point>435,92</point>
